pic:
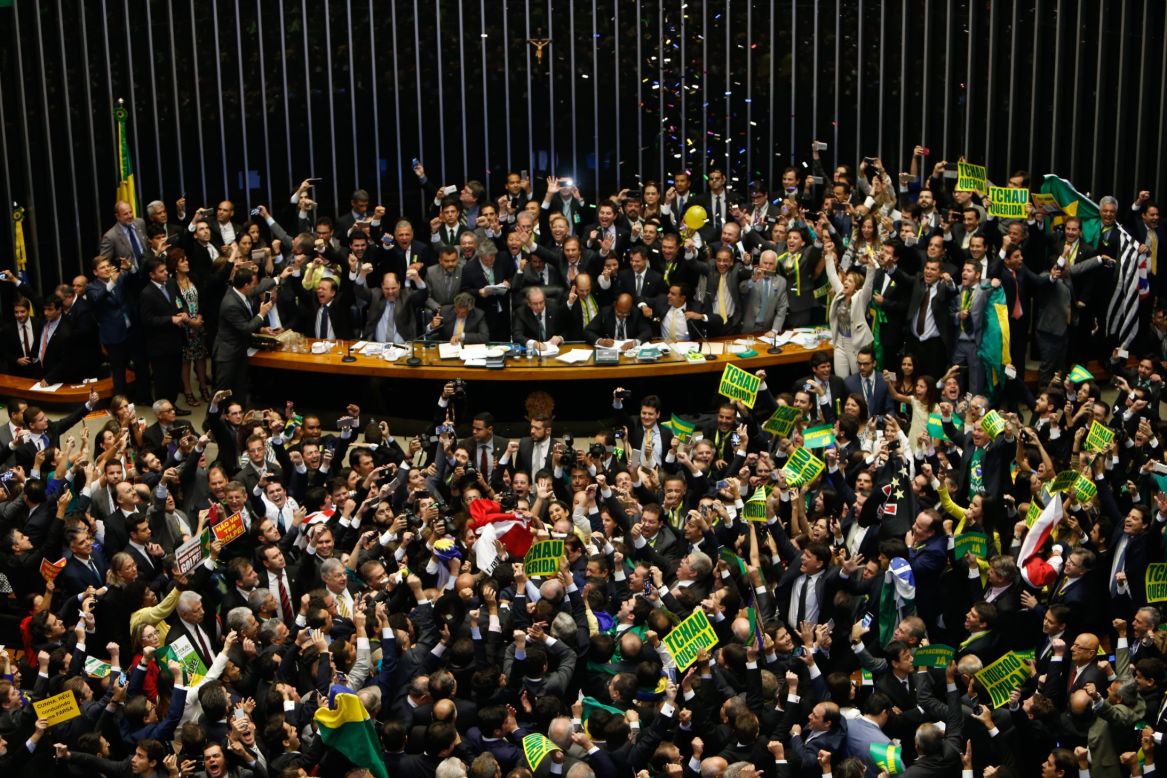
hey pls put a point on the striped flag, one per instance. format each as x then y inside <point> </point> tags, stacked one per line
<point>126,189</point>
<point>1131,284</point>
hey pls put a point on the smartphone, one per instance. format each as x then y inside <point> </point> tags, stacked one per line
<point>523,176</point>
<point>723,484</point>
<point>239,714</point>
<point>820,145</point>
<point>258,255</point>
<point>315,180</point>
<point>267,297</point>
<point>449,190</point>
<point>925,151</point>
<point>414,162</point>
<point>567,182</point>
<point>867,621</point>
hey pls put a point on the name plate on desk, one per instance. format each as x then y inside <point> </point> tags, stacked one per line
<point>607,356</point>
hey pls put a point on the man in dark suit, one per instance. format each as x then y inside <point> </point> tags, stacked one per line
<point>392,316</point>
<point>358,212</point>
<point>571,260</point>
<point>190,621</point>
<point>56,349</point>
<point>402,251</point>
<point>1133,546</point>
<point>488,279</point>
<point>39,433</point>
<point>605,237</point>
<point>20,341</point>
<point>85,567</point>
<point>807,589</point>
<point>828,391</point>
<point>984,466</point>
<point>325,312</point>
<point>648,422</point>
<point>484,446</point>
<point>619,322</point>
<point>869,384</point>
<point>930,320</point>
<point>532,453</point>
<point>801,265</point>
<point>224,229</point>
<point>107,296</point>
<point>447,227</point>
<point>86,345</point>
<point>1066,677</point>
<point>646,286</point>
<point>891,294</point>
<point>241,315</point>
<point>580,308</point>
<point>461,322</point>
<point>163,317</point>
<point>538,322</point>
<point>722,294</point>
<point>928,557</point>
<point>982,640</point>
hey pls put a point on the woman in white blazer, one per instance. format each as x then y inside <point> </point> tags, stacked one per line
<point>847,311</point>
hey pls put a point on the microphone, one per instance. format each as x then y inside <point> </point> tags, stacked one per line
<point>701,342</point>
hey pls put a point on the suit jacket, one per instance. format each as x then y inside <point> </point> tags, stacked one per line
<point>61,361</point>
<point>652,288</point>
<point>217,239</point>
<point>523,460</point>
<point>776,306</point>
<point>604,326</point>
<point>896,288</point>
<point>409,301</point>
<point>178,629</point>
<point>396,260</point>
<point>109,308</point>
<point>163,337</point>
<point>941,311</point>
<point>237,323</point>
<point>618,248</point>
<point>76,577</point>
<point>441,286</point>
<point>553,288</point>
<point>448,236</point>
<point>880,403</point>
<point>474,331</point>
<point>115,244</point>
<point>474,279</point>
<point>525,326</point>
<point>800,277</point>
<point>573,318</point>
<point>735,277</point>
<point>13,349</point>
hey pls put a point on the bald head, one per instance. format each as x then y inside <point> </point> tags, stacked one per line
<point>444,710</point>
<point>713,767</point>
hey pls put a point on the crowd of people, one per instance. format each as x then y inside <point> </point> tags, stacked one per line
<point>356,561</point>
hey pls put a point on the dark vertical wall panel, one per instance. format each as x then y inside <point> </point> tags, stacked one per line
<point>245,98</point>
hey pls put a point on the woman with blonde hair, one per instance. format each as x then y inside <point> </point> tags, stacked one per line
<point>847,312</point>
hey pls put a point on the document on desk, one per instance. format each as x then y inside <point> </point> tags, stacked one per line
<point>40,386</point>
<point>394,353</point>
<point>475,362</point>
<point>575,356</point>
<point>682,347</point>
<point>449,350</point>
<point>549,350</point>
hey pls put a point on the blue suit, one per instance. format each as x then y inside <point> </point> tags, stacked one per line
<point>109,308</point>
<point>880,403</point>
<point>77,576</point>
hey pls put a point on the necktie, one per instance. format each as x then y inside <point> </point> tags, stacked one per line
<point>801,602</point>
<point>669,332</point>
<point>165,292</point>
<point>323,332</point>
<point>483,461</point>
<point>135,244</point>
<point>1153,243</point>
<point>1119,565</point>
<point>717,212</point>
<point>342,607</point>
<point>542,329</point>
<point>867,392</point>
<point>280,521</point>
<point>1016,295</point>
<point>96,572</point>
<point>722,299</point>
<point>572,270</point>
<point>44,439</point>
<point>459,328</point>
<point>24,339</point>
<point>589,309</point>
<point>922,316</point>
<point>202,641</point>
<point>285,600</point>
<point>639,283</point>
<point>1073,677</point>
<point>621,333</point>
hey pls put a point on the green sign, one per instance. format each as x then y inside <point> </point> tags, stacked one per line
<point>688,638</point>
<point>887,757</point>
<point>993,424</point>
<point>936,655</point>
<point>1005,202</point>
<point>802,467</point>
<point>783,420</point>
<point>536,747</point>
<point>737,384</point>
<point>821,436</point>
<point>1003,676</point>
<point>1085,488</point>
<point>936,426</point>
<point>1063,481</point>
<point>1035,509</point>
<point>975,543</point>
<point>1079,374</point>
<point>543,558</point>
<point>971,178</point>
<point>1099,437</point>
<point>1156,582</point>
<point>755,509</point>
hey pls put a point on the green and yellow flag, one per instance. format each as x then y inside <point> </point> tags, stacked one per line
<point>681,428</point>
<point>347,728</point>
<point>887,757</point>
<point>1079,374</point>
<point>126,190</point>
<point>1073,203</point>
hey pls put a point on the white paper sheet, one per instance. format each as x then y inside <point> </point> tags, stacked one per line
<point>575,356</point>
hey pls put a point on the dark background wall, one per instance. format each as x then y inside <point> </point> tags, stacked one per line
<point>244,98</point>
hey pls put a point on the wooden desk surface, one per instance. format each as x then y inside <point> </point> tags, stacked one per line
<point>522,369</point>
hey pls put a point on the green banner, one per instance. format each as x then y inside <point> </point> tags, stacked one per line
<point>975,543</point>
<point>1079,374</point>
<point>936,426</point>
<point>936,655</point>
<point>1003,676</point>
<point>688,638</point>
<point>821,436</point>
<point>971,178</point>
<point>993,424</point>
<point>755,509</point>
<point>737,384</point>
<point>782,421</point>
<point>887,757</point>
<point>1099,437</point>
<point>1063,481</point>
<point>1156,582</point>
<point>1005,202</point>
<point>543,558</point>
<point>681,428</point>
<point>1085,488</point>
<point>536,747</point>
<point>802,468</point>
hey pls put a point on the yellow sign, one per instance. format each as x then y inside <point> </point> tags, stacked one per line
<point>58,708</point>
<point>1156,582</point>
<point>737,384</point>
<point>971,178</point>
<point>536,747</point>
<point>1099,437</point>
<point>802,468</point>
<point>688,638</point>
<point>229,528</point>
<point>1003,676</point>
<point>543,558</point>
<point>993,424</point>
<point>1006,202</point>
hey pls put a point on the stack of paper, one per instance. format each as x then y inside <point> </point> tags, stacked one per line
<point>575,356</point>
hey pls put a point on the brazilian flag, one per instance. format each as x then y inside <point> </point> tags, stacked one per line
<point>887,757</point>
<point>994,349</point>
<point>1073,203</point>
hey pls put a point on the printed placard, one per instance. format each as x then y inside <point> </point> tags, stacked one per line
<point>993,424</point>
<point>543,558</point>
<point>755,508</point>
<point>975,543</point>
<point>802,467</point>
<point>688,638</point>
<point>737,384</point>
<point>1006,202</point>
<point>936,655</point>
<point>971,178</point>
<point>536,747</point>
<point>1157,582</point>
<point>782,422</point>
<point>188,555</point>
<point>50,570</point>
<point>1099,437</point>
<point>229,528</point>
<point>58,708</point>
<point>1003,676</point>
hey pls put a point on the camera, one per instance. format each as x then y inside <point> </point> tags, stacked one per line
<point>459,388</point>
<point>596,450</point>
<point>471,474</point>
<point>255,212</point>
<point>624,394</point>
<point>568,441</point>
<point>618,434</point>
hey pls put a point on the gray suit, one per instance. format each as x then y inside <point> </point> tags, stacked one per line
<point>115,244</point>
<point>862,733</point>
<point>237,323</point>
<point>774,313</point>
<point>442,286</point>
<point>474,331</point>
<point>404,313</point>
